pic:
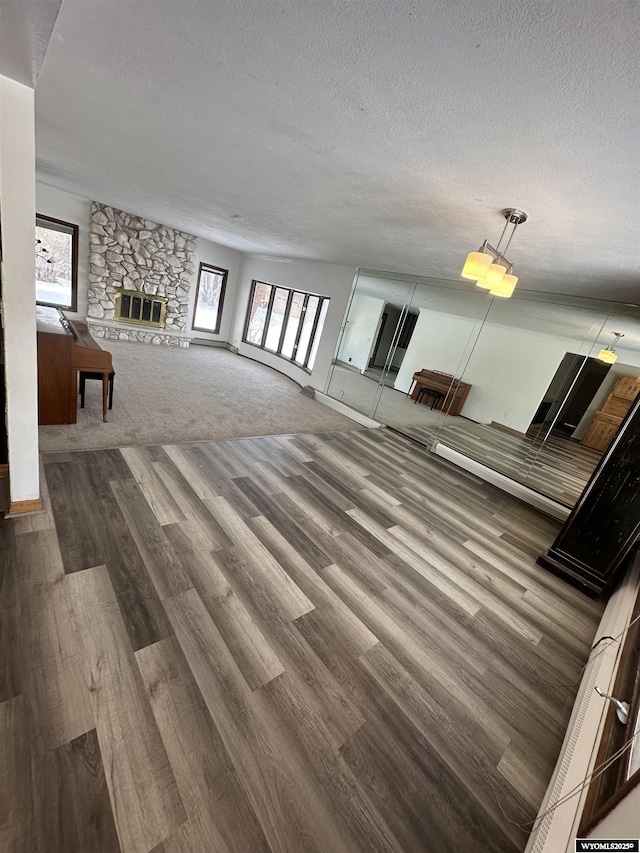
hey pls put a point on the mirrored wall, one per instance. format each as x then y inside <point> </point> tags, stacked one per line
<point>514,384</point>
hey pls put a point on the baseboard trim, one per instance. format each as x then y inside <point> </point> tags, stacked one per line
<point>206,342</point>
<point>20,507</point>
<point>358,417</point>
<point>508,429</point>
<point>503,482</point>
<point>348,366</point>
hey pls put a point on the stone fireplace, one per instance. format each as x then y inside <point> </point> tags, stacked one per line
<point>140,275</point>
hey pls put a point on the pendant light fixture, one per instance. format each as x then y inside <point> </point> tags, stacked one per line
<point>506,287</point>
<point>488,267</point>
<point>609,355</point>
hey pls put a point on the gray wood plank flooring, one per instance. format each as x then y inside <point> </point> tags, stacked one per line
<point>558,467</point>
<point>332,642</point>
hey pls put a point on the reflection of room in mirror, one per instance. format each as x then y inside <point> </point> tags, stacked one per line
<point>535,386</point>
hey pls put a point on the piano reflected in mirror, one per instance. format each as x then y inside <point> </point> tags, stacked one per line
<point>452,392</point>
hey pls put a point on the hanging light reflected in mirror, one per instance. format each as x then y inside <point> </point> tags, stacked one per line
<point>608,355</point>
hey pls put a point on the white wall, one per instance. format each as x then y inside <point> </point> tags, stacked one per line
<point>509,369</point>
<point>17,213</point>
<point>228,259</point>
<point>361,331</point>
<point>59,204</point>
<point>398,357</point>
<point>322,279</point>
<point>438,343</point>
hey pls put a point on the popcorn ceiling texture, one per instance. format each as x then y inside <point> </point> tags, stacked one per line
<point>381,135</point>
<point>130,252</point>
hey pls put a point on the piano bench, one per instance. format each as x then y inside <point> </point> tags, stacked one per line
<point>87,374</point>
<point>427,392</point>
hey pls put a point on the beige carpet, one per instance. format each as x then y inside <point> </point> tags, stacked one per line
<point>393,408</point>
<point>170,395</point>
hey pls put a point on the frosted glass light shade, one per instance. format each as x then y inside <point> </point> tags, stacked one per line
<point>608,356</point>
<point>476,265</point>
<point>506,287</point>
<point>494,276</point>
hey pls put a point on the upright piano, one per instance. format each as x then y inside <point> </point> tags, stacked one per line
<point>454,392</point>
<point>66,347</point>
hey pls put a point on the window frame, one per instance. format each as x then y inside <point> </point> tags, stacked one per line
<point>290,295</point>
<point>41,221</point>
<point>283,330</point>
<point>223,289</point>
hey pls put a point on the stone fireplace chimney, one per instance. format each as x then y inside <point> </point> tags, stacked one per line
<point>149,264</point>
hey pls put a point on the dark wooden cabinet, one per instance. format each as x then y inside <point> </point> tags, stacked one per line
<point>604,525</point>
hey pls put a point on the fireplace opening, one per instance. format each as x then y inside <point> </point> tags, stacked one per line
<point>140,308</point>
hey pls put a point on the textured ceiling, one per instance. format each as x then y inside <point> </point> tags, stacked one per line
<point>25,30</point>
<point>386,134</point>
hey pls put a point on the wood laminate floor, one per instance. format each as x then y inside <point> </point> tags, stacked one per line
<point>558,467</point>
<point>331,642</point>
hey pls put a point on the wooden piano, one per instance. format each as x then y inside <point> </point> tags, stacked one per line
<point>454,392</point>
<point>66,347</point>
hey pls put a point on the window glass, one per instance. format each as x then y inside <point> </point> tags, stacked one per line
<point>258,313</point>
<point>209,298</point>
<point>287,322</point>
<point>307,328</point>
<point>276,319</point>
<point>316,338</point>
<point>293,324</point>
<point>56,263</point>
